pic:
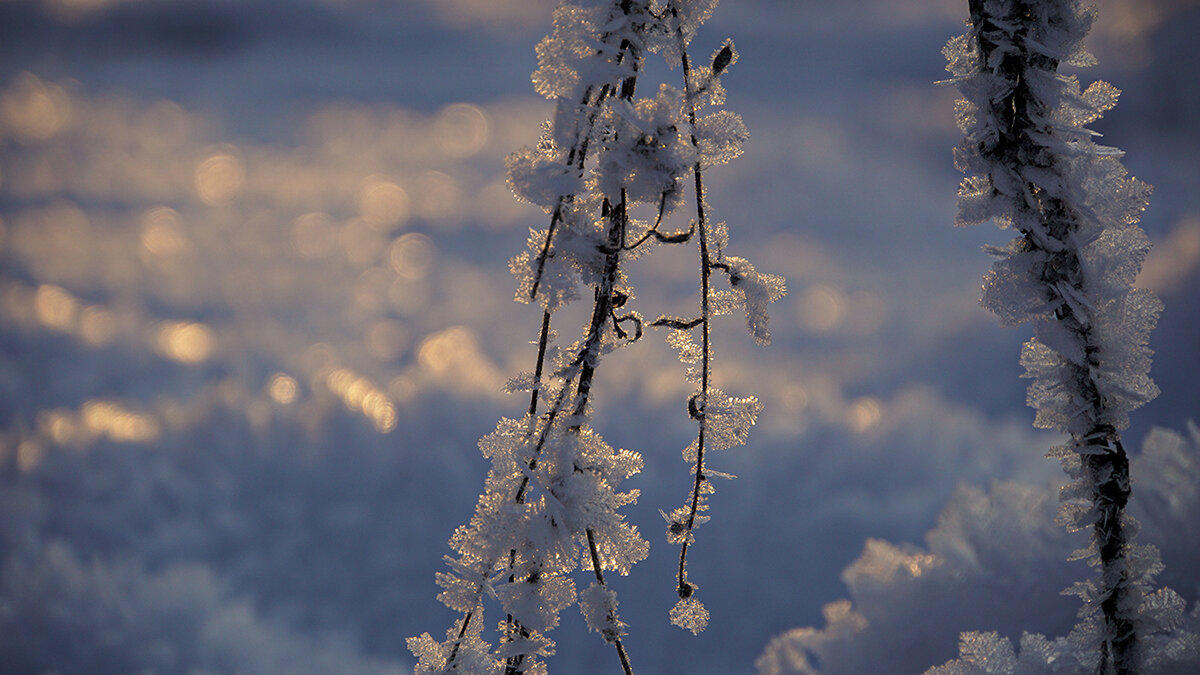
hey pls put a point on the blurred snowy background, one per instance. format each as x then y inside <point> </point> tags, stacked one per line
<point>255,313</point>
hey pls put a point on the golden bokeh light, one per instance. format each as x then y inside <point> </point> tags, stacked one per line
<point>821,308</point>
<point>185,341</point>
<point>356,392</point>
<point>412,255</point>
<point>883,562</point>
<point>380,410</point>
<point>403,388</point>
<point>360,394</point>
<point>55,307</point>
<point>60,426</point>
<point>1131,19</point>
<point>794,397</point>
<point>33,110</point>
<point>494,13</point>
<point>283,389</point>
<point>74,8</point>
<point>383,205</point>
<point>453,359</point>
<point>318,358</point>
<point>442,351</point>
<point>460,130</point>
<point>111,419</point>
<point>863,414</point>
<point>663,386</point>
<point>219,178</point>
<point>163,232</point>
<point>339,380</point>
<point>918,563</point>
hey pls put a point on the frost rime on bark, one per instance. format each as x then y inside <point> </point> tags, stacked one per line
<point>551,500</point>
<point>1032,164</point>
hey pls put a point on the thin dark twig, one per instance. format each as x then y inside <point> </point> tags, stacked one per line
<point>458,641</point>
<point>624,657</point>
<point>545,252</point>
<point>626,318</point>
<point>685,588</point>
<point>543,341</point>
<point>677,323</point>
<point>664,237</point>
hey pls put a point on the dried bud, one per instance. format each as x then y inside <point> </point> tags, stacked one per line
<point>723,58</point>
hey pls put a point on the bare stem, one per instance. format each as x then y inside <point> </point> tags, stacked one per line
<point>543,341</point>
<point>624,657</point>
<point>684,587</point>
<point>462,631</point>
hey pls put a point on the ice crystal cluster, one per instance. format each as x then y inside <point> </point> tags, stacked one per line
<point>1033,165</point>
<point>611,169</point>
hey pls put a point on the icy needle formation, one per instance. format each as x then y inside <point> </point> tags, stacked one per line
<point>1033,165</point>
<point>551,499</point>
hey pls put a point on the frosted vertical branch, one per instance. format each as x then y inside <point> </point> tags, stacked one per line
<point>1033,165</point>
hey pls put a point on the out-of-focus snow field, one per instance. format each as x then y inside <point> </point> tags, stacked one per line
<point>255,312</point>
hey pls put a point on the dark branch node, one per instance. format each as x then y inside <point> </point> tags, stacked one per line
<point>677,323</point>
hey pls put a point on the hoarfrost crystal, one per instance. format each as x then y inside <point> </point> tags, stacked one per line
<point>690,614</point>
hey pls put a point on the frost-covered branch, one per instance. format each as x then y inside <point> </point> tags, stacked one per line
<point>551,500</point>
<point>1033,165</point>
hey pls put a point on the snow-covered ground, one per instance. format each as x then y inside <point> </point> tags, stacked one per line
<point>255,312</point>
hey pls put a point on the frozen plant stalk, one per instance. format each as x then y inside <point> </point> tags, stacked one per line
<point>551,499</point>
<point>1032,164</point>
<point>723,421</point>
